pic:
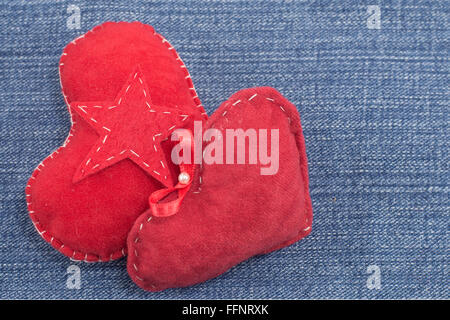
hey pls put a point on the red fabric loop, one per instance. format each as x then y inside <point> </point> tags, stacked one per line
<point>167,209</point>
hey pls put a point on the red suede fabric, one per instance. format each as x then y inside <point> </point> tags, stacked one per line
<point>90,219</point>
<point>231,212</point>
<point>130,127</point>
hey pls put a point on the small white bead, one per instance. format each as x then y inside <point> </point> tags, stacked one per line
<point>184,178</point>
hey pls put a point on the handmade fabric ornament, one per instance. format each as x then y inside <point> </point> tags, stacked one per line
<point>226,213</point>
<point>127,90</point>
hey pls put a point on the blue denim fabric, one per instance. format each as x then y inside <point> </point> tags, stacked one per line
<point>375,112</point>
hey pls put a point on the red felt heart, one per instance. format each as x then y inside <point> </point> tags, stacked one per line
<point>127,88</point>
<point>232,211</point>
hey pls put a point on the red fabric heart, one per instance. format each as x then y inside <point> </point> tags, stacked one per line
<point>231,212</point>
<point>89,219</point>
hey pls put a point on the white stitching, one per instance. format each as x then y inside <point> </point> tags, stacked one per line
<point>134,153</point>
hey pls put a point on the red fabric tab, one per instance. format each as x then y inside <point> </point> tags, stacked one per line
<point>167,209</point>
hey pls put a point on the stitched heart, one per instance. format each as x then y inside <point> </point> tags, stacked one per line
<point>232,211</point>
<point>126,89</point>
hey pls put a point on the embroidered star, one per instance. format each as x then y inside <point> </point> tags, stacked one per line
<point>130,127</point>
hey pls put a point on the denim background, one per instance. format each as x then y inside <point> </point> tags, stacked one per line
<point>374,107</point>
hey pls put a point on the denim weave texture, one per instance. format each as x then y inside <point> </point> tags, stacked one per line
<point>374,102</point>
